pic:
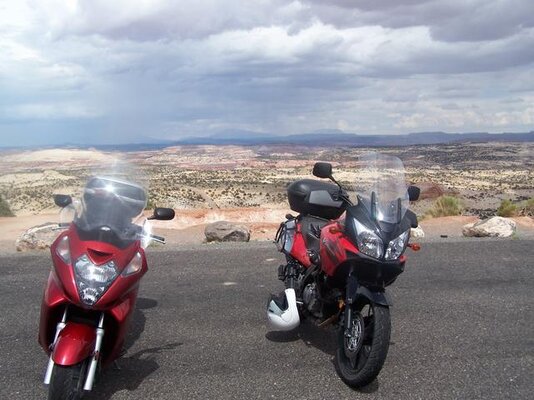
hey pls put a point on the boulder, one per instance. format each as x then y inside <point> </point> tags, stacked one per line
<point>430,190</point>
<point>224,231</point>
<point>38,237</point>
<point>417,233</point>
<point>493,227</point>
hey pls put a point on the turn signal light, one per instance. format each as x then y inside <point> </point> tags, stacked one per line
<point>414,246</point>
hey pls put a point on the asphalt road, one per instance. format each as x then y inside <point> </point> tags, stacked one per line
<point>463,328</point>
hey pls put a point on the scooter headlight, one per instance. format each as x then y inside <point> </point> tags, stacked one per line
<point>93,280</point>
<point>367,241</point>
<point>396,246</point>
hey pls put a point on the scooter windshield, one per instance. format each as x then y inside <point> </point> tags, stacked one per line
<point>381,187</point>
<point>109,204</point>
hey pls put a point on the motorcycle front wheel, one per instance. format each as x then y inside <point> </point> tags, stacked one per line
<point>67,382</point>
<point>363,348</point>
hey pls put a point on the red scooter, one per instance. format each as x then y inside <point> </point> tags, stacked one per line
<point>92,288</point>
<point>340,258</point>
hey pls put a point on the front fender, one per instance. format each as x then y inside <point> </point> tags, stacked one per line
<point>74,344</point>
<point>376,297</point>
<point>354,291</point>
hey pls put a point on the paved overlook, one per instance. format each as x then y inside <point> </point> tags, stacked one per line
<point>462,329</point>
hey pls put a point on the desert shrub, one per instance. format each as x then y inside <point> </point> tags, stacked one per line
<point>445,206</point>
<point>528,208</point>
<point>5,211</point>
<point>150,203</point>
<point>507,209</point>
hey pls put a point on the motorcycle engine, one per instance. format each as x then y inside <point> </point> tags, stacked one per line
<point>310,297</point>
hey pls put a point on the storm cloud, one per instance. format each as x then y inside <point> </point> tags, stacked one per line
<point>122,71</point>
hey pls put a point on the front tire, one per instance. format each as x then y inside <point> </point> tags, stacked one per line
<point>67,382</point>
<point>359,358</point>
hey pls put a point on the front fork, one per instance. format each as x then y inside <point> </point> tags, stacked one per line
<point>288,273</point>
<point>350,297</point>
<point>50,367</point>
<point>96,355</point>
<point>354,292</point>
<point>88,385</point>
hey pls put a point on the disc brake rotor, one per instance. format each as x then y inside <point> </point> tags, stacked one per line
<point>354,336</point>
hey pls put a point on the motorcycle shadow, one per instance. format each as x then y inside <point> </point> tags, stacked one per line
<point>323,339</point>
<point>132,369</point>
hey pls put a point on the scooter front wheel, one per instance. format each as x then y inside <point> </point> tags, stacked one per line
<point>67,381</point>
<point>363,347</point>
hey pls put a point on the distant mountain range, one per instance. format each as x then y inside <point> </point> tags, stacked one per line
<point>335,137</point>
<point>326,137</point>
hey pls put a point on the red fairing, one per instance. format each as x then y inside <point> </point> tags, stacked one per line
<point>334,247</point>
<point>298,250</point>
<point>99,253</point>
<point>64,272</point>
<point>51,310</point>
<point>117,303</point>
<point>121,314</point>
<point>75,343</point>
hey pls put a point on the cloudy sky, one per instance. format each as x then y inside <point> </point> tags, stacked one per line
<point>88,71</point>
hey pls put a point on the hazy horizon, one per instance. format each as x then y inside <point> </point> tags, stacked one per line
<point>239,138</point>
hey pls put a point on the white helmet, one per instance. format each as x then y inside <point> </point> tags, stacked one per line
<point>282,311</point>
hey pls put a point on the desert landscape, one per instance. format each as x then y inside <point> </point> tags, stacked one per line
<point>247,184</point>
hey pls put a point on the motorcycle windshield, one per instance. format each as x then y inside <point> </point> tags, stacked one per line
<point>110,204</point>
<point>382,187</point>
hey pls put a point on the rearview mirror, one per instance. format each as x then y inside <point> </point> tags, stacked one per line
<point>322,170</point>
<point>62,200</point>
<point>162,214</point>
<point>413,193</point>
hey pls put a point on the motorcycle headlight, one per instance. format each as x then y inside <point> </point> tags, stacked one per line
<point>367,241</point>
<point>396,246</point>
<point>93,280</point>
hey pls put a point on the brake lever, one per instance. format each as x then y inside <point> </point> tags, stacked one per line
<point>61,226</point>
<point>155,238</point>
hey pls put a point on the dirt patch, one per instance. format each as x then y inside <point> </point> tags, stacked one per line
<point>445,226</point>
<point>188,226</point>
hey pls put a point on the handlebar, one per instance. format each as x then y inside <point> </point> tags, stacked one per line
<point>137,230</point>
<point>156,238</point>
<point>61,225</point>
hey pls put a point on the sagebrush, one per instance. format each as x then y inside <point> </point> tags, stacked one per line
<point>5,211</point>
<point>445,206</point>
<point>527,208</point>
<point>507,209</point>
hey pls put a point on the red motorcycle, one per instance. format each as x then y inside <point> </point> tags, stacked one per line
<point>92,288</point>
<point>338,268</point>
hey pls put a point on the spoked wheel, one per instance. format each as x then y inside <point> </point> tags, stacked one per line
<point>67,382</point>
<point>363,347</point>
